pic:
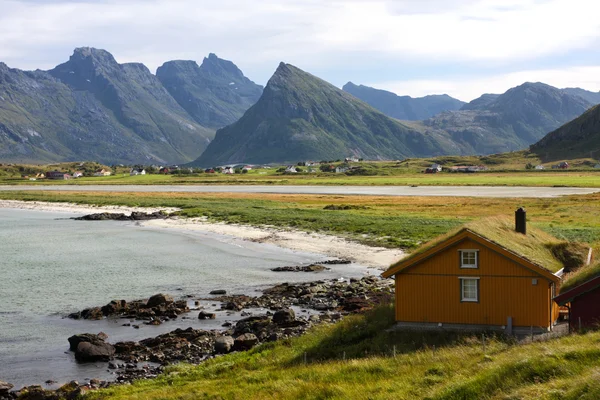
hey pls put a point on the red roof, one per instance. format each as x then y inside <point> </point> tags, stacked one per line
<point>577,291</point>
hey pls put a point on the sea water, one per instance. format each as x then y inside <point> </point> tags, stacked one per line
<point>51,266</point>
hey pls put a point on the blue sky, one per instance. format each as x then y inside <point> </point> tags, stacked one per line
<point>411,47</point>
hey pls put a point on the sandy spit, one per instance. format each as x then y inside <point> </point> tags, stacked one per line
<point>328,245</point>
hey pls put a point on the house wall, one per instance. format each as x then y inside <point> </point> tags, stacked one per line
<point>430,291</point>
<point>586,307</point>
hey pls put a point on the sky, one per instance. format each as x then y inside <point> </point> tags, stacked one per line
<point>463,48</point>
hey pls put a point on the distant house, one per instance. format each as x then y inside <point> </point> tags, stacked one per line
<point>342,169</point>
<point>40,175</point>
<point>312,163</point>
<point>209,171</point>
<point>540,167</point>
<point>582,296</point>
<point>137,171</point>
<point>351,159</point>
<point>77,174</point>
<point>597,166</point>
<point>489,274</point>
<point>291,169</point>
<point>227,170</point>
<point>434,169</point>
<point>562,165</point>
<point>247,168</point>
<point>57,175</point>
<point>102,172</point>
<point>164,170</point>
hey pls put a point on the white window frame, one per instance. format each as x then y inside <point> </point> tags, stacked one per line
<point>469,251</point>
<point>462,280</point>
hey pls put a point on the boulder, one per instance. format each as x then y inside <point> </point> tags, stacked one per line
<point>218,291</point>
<point>206,315</point>
<point>5,387</point>
<point>224,344</point>
<point>94,351</point>
<point>159,300</point>
<point>284,316</point>
<point>245,341</point>
<point>85,337</point>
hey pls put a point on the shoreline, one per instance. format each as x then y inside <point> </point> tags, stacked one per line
<point>327,245</point>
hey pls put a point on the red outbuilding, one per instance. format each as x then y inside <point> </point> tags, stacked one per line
<point>583,302</point>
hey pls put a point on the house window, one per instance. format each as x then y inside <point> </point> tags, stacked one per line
<point>469,289</point>
<point>468,258</point>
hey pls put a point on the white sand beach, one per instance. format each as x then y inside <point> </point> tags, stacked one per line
<point>328,245</point>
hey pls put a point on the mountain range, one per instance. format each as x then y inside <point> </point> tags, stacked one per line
<point>93,108</point>
<point>495,123</point>
<point>300,117</point>
<point>403,107</point>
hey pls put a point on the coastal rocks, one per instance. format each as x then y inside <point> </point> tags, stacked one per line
<point>308,268</point>
<point>159,300</point>
<point>155,310</point>
<point>224,344</point>
<point>245,341</point>
<point>134,216</point>
<point>89,347</point>
<point>5,387</point>
<point>284,316</point>
<point>181,345</point>
<point>206,315</point>
<point>218,292</point>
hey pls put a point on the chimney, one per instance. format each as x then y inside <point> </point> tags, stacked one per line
<point>521,221</point>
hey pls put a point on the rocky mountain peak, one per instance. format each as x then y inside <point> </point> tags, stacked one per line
<point>213,65</point>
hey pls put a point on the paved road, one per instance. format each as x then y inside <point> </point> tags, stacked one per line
<point>456,191</point>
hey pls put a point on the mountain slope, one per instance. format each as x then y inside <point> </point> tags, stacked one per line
<point>403,107</point>
<point>215,93</point>
<point>592,97</point>
<point>138,101</point>
<point>576,139</point>
<point>300,116</point>
<point>511,121</point>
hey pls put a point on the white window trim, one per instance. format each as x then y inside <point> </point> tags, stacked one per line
<point>469,266</point>
<point>462,298</point>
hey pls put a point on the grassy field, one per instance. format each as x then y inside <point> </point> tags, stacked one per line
<point>523,178</point>
<point>507,169</point>
<point>354,359</point>
<point>388,221</point>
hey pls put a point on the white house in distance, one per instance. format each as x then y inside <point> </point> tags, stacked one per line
<point>77,174</point>
<point>351,159</point>
<point>247,168</point>
<point>291,169</point>
<point>341,169</point>
<point>102,172</point>
<point>227,170</point>
<point>540,167</point>
<point>137,171</point>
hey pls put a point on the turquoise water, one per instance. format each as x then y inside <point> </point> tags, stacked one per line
<point>51,266</point>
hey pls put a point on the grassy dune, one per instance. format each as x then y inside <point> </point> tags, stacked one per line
<point>355,359</point>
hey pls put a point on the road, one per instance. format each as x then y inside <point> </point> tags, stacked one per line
<point>444,191</point>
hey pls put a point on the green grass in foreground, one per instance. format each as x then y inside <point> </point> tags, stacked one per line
<point>427,365</point>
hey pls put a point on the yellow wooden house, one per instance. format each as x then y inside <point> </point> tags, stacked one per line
<point>488,274</point>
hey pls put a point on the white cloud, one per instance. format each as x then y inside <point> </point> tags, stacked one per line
<point>312,34</point>
<point>467,88</point>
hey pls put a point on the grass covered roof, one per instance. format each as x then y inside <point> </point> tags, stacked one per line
<point>537,246</point>
<point>580,276</point>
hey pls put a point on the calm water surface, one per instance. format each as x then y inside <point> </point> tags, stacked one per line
<point>51,266</point>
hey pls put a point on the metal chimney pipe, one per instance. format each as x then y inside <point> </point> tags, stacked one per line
<point>521,220</point>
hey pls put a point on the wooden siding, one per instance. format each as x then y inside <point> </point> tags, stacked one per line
<point>430,290</point>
